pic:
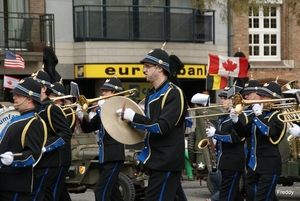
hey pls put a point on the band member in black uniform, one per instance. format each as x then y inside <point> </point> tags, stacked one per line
<point>249,92</point>
<point>58,90</point>
<point>230,153</point>
<point>266,131</point>
<point>111,152</point>
<point>26,135</point>
<point>50,169</point>
<point>165,109</point>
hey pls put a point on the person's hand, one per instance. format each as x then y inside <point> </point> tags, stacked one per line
<point>79,112</point>
<point>100,103</point>
<point>7,158</point>
<point>295,130</point>
<point>234,117</point>
<point>257,109</point>
<point>128,114</point>
<point>210,131</point>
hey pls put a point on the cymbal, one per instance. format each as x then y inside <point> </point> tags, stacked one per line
<point>115,126</point>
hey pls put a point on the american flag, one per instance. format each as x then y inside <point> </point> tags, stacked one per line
<point>13,60</point>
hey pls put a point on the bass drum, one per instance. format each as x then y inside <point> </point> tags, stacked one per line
<point>6,116</point>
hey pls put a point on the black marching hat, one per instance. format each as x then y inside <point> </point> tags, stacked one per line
<point>224,93</point>
<point>58,89</point>
<point>270,89</point>
<point>113,84</point>
<point>43,78</point>
<point>250,87</point>
<point>158,57</point>
<point>28,87</point>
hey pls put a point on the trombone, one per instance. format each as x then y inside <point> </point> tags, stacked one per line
<point>239,103</point>
<point>84,102</point>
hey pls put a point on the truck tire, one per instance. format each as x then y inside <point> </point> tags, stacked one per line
<point>191,147</point>
<point>126,187</point>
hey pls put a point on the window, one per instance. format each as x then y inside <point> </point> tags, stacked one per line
<point>264,34</point>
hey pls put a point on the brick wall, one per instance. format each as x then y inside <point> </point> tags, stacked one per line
<point>290,45</point>
<point>36,6</point>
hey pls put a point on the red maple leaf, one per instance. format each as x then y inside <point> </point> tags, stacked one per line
<point>9,82</point>
<point>229,65</point>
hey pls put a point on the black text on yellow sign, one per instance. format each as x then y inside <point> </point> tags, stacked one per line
<point>190,71</point>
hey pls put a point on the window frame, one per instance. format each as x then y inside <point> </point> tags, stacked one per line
<point>261,31</point>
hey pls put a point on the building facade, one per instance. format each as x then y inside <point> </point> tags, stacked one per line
<point>98,39</point>
<point>269,38</point>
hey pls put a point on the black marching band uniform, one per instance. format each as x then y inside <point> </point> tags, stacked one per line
<point>58,90</point>
<point>50,168</point>
<point>230,157</point>
<point>25,134</point>
<point>264,164</point>
<point>163,151</point>
<point>111,152</point>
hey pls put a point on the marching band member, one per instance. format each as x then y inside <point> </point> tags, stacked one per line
<point>49,169</point>
<point>165,109</point>
<point>58,90</point>
<point>111,152</point>
<point>266,131</point>
<point>25,134</point>
<point>249,92</point>
<point>230,155</point>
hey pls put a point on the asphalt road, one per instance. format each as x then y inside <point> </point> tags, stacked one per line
<point>195,192</point>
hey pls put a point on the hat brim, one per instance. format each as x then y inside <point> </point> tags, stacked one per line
<point>246,92</point>
<point>261,92</point>
<point>146,60</point>
<point>223,94</point>
<point>18,91</point>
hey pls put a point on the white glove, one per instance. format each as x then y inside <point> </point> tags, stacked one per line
<point>257,109</point>
<point>79,112</point>
<point>210,131</point>
<point>128,114</point>
<point>43,150</point>
<point>295,130</point>
<point>7,158</point>
<point>234,117</point>
<point>100,103</point>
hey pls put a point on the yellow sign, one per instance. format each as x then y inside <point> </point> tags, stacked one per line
<point>142,89</point>
<point>190,71</point>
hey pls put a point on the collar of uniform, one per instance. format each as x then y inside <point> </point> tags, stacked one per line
<point>47,101</point>
<point>161,85</point>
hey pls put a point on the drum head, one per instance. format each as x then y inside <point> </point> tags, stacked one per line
<point>6,116</point>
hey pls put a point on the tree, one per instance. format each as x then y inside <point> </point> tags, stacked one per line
<point>240,7</point>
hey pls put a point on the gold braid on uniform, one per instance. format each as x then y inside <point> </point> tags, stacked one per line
<point>282,131</point>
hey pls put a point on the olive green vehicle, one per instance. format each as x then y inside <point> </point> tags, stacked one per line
<point>289,150</point>
<point>84,171</point>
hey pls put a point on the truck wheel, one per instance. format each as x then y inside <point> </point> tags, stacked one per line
<point>191,147</point>
<point>126,187</point>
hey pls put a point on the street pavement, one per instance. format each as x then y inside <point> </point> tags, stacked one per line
<point>196,192</point>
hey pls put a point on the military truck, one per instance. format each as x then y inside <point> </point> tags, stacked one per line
<point>84,172</point>
<point>290,153</point>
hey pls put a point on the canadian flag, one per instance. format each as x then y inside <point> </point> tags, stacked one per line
<point>227,66</point>
<point>10,82</point>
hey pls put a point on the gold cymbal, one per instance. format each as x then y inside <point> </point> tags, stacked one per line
<point>115,126</point>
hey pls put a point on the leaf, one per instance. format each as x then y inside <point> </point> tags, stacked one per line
<point>229,65</point>
<point>9,82</point>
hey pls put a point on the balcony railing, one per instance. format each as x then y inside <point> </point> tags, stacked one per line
<point>141,23</point>
<point>26,31</point>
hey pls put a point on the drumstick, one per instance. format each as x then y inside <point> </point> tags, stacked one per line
<point>123,110</point>
<point>16,154</point>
